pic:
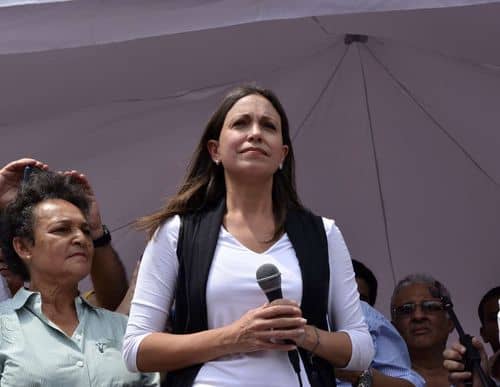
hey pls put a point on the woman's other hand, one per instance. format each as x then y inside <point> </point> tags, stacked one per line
<point>267,327</point>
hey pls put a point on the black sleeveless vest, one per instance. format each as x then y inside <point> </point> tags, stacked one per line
<point>196,245</point>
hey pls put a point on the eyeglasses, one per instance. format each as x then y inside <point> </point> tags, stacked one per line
<point>427,307</point>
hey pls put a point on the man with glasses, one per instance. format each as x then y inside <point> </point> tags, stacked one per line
<point>419,316</point>
<point>391,365</point>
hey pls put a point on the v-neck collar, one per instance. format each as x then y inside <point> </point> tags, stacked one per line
<point>248,249</point>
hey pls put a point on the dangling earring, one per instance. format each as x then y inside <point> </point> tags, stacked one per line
<point>217,162</point>
<point>281,166</point>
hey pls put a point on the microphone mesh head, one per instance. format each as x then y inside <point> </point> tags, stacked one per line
<point>268,277</point>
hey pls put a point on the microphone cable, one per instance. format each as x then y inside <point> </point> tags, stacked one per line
<point>294,358</point>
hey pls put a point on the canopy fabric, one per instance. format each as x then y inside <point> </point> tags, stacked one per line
<point>39,25</point>
<point>396,139</point>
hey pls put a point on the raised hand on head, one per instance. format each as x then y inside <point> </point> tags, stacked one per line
<point>11,176</point>
<point>95,221</point>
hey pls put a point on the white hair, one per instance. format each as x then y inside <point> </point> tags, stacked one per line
<point>419,278</point>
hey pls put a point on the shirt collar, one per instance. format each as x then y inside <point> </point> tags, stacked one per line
<point>27,297</point>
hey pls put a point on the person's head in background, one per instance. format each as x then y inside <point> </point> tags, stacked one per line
<point>418,314</point>
<point>37,231</point>
<point>14,281</point>
<point>367,283</point>
<point>488,314</point>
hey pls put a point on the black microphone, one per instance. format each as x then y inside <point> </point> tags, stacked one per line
<point>269,279</point>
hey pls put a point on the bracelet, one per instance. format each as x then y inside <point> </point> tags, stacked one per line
<point>365,379</point>
<point>317,340</point>
<point>104,239</point>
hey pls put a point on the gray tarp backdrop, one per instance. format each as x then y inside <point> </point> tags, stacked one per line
<point>396,138</point>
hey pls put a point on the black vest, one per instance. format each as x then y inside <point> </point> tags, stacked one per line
<point>196,245</point>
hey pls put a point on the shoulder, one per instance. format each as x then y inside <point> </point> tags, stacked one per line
<point>16,302</point>
<point>109,315</point>
<point>374,319</point>
<point>113,319</point>
<point>166,235</point>
<point>333,233</point>
<point>10,327</point>
<point>6,307</point>
<point>168,230</point>
<point>307,216</point>
<point>329,225</point>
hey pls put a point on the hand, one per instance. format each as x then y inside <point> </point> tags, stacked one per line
<point>266,328</point>
<point>11,176</point>
<point>95,222</point>
<point>453,363</point>
<point>494,364</point>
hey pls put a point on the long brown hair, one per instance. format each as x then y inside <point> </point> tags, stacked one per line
<point>204,184</point>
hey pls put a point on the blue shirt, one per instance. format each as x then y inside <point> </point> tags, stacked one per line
<point>34,352</point>
<point>391,354</point>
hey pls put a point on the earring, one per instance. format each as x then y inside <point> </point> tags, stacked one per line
<point>217,162</point>
<point>281,166</point>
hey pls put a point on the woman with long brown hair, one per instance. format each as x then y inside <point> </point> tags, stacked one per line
<point>236,210</point>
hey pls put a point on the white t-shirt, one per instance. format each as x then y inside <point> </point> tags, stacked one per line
<point>231,291</point>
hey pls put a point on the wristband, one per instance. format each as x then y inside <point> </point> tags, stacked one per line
<point>365,379</point>
<point>317,340</point>
<point>104,239</point>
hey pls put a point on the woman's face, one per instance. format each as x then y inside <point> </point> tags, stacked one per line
<point>62,248</point>
<point>251,140</point>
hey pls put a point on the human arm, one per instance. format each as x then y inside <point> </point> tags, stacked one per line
<point>391,365</point>
<point>350,345</point>
<point>11,176</point>
<point>146,345</point>
<point>108,277</point>
<point>124,307</point>
<point>378,379</point>
<point>252,332</point>
<point>107,272</point>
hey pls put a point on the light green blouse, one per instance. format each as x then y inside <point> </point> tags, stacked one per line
<point>34,352</point>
